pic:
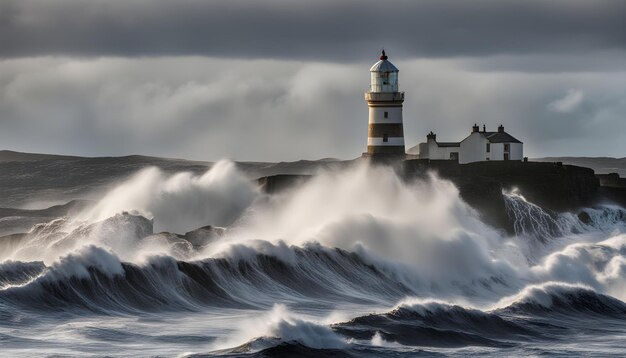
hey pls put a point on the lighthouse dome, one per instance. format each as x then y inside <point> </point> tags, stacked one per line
<point>383,65</point>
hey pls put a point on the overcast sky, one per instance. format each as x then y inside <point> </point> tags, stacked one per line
<point>284,80</point>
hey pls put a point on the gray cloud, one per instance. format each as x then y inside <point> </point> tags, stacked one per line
<point>207,108</point>
<point>283,80</point>
<point>316,30</point>
<point>569,103</point>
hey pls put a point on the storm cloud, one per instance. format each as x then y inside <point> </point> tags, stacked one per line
<point>284,80</point>
<point>326,30</point>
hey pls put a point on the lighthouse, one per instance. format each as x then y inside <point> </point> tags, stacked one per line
<point>385,136</point>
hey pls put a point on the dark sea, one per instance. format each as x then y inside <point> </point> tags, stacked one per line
<point>351,263</point>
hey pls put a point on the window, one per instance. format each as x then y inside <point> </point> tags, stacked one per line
<point>487,158</point>
<point>385,138</point>
<point>488,147</point>
<point>454,155</point>
<point>386,114</point>
<point>506,147</point>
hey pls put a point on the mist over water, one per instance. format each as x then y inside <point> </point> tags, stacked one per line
<point>180,202</point>
<point>356,260</point>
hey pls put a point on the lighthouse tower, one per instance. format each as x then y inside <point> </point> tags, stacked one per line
<point>385,133</point>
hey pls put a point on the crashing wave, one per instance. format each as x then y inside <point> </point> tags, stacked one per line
<point>436,324</point>
<point>17,273</point>
<point>530,220</point>
<point>533,221</point>
<point>333,241</point>
<point>563,299</point>
<point>95,279</point>
<point>279,329</point>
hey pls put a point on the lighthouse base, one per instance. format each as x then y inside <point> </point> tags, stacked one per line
<point>386,158</point>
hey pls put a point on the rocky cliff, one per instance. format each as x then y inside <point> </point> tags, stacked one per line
<point>553,186</point>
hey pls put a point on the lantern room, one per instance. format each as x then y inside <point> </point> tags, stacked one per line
<point>384,76</point>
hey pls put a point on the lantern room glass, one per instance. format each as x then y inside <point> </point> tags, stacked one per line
<point>384,82</point>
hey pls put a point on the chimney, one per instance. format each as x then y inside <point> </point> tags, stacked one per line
<point>500,128</point>
<point>431,135</point>
<point>484,128</point>
<point>475,128</point>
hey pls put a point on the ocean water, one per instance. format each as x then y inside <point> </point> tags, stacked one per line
<point>352,263</point>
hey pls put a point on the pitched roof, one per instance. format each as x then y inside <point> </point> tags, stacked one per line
<point>499,137</point>
<point>448,144</point>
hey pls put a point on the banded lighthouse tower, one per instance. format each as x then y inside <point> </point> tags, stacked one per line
<point>385,134</point>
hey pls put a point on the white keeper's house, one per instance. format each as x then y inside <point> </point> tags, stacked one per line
<point>479,146</point>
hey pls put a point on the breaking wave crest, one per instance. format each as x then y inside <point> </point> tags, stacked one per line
<point>563,299</point>
<point>523,317</point>
<point>532,221</point>
<point>436,324</point>
<point>94,279</point>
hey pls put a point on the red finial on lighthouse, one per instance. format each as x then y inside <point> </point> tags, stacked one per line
<point>383,56</point>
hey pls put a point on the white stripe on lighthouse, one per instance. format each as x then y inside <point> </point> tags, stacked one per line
<point>377,115</point>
